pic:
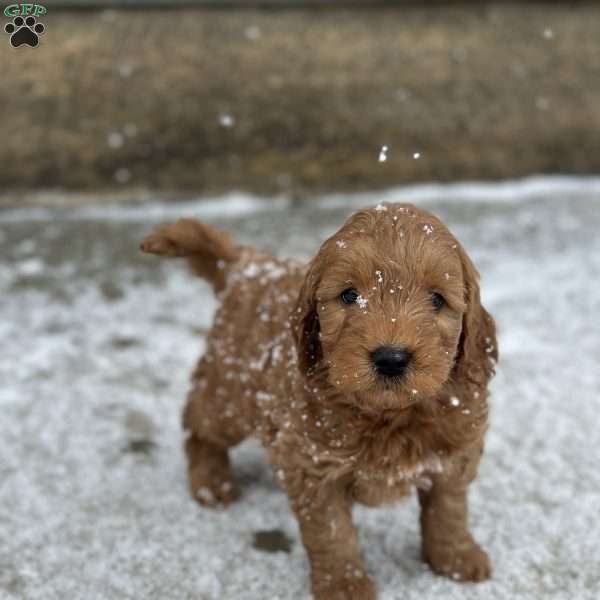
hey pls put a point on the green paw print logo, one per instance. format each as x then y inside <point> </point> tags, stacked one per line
<point>25,28</point>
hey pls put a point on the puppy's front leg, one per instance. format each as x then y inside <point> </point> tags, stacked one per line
<point>329,536</point>
<point>448,546</point>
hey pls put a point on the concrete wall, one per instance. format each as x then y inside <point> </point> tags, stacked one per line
<point>142,98</point>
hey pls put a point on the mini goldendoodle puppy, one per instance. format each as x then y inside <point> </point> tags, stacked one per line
<point>364,375</point>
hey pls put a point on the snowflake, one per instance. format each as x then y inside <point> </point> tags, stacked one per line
<point>226,120</point>
<point>362,302</point>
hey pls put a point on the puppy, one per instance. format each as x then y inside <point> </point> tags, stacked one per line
<point>364,375</point>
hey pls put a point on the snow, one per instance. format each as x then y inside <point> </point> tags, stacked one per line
<point>362,302</point>
<point>115,139</point>
<point>98,343</point>
<point>226,120</point>
<point>31,266</point>
<point>253,33</point>
<point>125,70</point>
<point>233,204</point>
<point>508,191</point>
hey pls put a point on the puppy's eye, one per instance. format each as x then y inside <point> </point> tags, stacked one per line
<point>349,296</point>
<point>438,301</point>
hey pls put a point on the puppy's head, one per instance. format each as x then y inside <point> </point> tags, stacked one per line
<point>390,311</point>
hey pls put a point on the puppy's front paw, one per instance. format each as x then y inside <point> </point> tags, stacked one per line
<point>461,563</point>
<point>353,585</point>
<point>213,490</point>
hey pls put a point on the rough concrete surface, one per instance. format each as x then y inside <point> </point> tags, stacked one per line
<point>97,345</point>
<point>268,100</point>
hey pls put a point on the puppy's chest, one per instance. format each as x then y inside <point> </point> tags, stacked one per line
<point>381,467</point>
<point>384,480</point>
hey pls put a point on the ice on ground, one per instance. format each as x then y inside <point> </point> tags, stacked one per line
<point>98,342</point>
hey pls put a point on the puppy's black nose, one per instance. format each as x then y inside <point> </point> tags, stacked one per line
<point>390,361</point>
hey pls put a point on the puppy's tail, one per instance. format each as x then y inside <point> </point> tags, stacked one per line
<point>209,251</point>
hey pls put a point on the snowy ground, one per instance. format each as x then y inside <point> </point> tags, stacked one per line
<point>97,344</point>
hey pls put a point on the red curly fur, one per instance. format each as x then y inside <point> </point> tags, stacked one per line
<point>288,362</point>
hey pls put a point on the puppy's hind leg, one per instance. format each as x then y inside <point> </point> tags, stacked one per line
<point>212,430</point>
<point>210,477</point>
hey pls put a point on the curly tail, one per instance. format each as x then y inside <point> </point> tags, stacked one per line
<point>208,250</point>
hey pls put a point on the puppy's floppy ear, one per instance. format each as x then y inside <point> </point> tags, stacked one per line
<point>477,348</point>
<point>305,320</point>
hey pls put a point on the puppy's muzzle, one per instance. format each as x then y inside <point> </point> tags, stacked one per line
<point>390,361</point>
